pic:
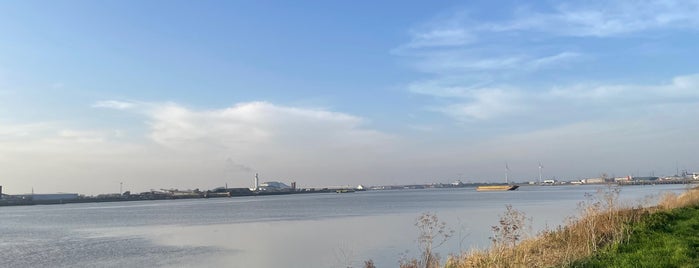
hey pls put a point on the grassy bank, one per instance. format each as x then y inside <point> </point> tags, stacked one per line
<point>605,233</point>
<point>662,239</point>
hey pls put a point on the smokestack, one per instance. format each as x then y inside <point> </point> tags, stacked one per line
<point>0,191</point>
<point>257,182</point>
<point>293,186</point>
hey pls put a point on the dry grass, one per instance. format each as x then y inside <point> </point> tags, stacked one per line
<point>602,221</point>
<point>433,234</point>
<point>672,200</point>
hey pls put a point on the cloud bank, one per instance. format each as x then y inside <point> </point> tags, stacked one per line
<point>184,147</point>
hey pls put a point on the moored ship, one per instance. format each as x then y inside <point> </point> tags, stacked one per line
<point>490,188</point>
<point>506,187</point>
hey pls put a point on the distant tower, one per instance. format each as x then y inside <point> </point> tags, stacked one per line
<point>540,167</point>
<point>257,182</point>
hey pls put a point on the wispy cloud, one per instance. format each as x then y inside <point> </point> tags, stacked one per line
<point>114,104</point>
<point>27,130</point>
<point>441,32</point>
<point>443,37</point>
<point>680,88</point>
<point>478,68</point>
<point>448,87</point>
<point>471,63</point>
<point>608,19</point>
<point>554,60</point>
<point>486,104</point>
<point>84,136</point>
<point>578,19</point>
<point>574,102</point>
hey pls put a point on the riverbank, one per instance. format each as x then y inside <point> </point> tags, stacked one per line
<point>606,233</point>
<point>30,199</point>
<point>663,239</point>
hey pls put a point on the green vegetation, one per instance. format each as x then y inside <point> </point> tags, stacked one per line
<point>663,239</point>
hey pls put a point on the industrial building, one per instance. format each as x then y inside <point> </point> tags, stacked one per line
<point>48,197</point>
<point>271,186</point>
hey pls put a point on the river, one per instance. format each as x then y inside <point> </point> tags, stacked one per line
<point>305,230</point>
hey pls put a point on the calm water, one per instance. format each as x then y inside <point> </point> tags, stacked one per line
<point>313,230</point>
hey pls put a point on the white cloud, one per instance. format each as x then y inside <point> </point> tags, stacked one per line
<point>601,19</point>
<point>113,104</point>
<point>447,87</point>
<point>554,60</point>
<point>82,135</point>
<point>454,62</point>
<point>679,88</point>
<point>575,102</point>
<point>686,85</point>
<point>195,148</point>
<point>17,131</point>
<point>257,124</point>
<point>482,71</point>
<point>627,17</point>
<point>463,56</point>
<point>205,148</point>
<point>439,38</point>
<point>478,102</point>
<point>486,104</point>
<point>425,128</point>
<point>55,137</point>
<point>441,32</point>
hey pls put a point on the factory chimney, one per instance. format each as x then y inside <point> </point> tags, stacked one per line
<point>257,182</point>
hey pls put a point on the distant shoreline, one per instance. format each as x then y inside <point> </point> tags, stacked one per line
<point>26,200</point>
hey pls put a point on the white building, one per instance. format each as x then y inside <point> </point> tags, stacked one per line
<point>273,186</point>
<point>620,179</point>
<point>593,180</point>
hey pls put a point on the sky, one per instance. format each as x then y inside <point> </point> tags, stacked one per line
<point>202,94</point>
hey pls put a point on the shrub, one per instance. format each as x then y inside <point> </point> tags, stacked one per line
<point>432,234</point>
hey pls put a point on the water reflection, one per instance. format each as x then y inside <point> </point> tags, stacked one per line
<point>282,231</point>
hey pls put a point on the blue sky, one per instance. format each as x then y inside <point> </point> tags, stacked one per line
<point>198,94</point>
